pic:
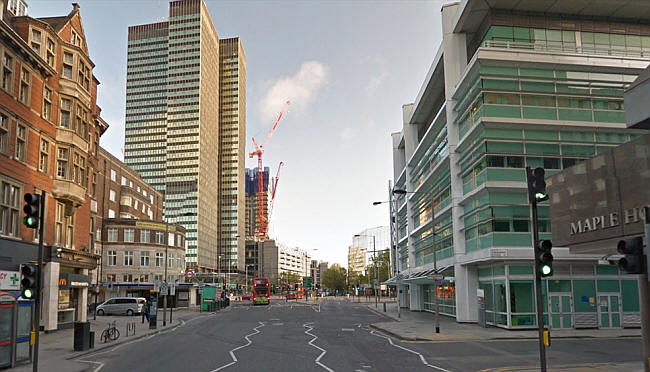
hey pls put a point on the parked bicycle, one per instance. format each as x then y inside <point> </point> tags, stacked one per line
<point>111,333</point>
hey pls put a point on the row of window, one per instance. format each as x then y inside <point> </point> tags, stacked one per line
<point>128,259</point>
<point>145,236</point>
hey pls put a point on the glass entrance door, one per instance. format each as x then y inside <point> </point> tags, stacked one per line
<point>560,310</point>
<point>609,312</point>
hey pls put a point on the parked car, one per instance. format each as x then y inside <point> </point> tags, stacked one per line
<point>122,305</point>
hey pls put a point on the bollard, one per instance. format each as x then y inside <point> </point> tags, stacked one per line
<point>384,307</point>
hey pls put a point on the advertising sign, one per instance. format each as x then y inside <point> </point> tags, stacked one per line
<point>10,280</point>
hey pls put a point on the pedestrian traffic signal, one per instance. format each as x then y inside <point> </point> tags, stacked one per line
<point>32,210</point>
<point>632,249</point>
<point>545,258</point>
<point>536,184</point>
<point>28,280</point>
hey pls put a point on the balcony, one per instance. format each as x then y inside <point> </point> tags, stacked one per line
<point>68,192</point>
<point>69,137</point>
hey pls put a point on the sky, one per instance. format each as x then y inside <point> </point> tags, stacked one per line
<point>347,67</point>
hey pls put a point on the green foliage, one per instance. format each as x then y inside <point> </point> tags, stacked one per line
<point>335,277</point>
<point>382,261</point>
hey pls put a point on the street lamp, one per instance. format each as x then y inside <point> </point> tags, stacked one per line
<point>435,260</point>
<point>394,238</point>
<point>374,255</point>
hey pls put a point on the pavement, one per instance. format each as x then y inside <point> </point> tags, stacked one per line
<point>420,326</point>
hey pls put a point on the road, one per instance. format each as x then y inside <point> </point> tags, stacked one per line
<point>330,337</point>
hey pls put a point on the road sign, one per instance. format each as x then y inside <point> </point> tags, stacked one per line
<point>435,276</point>
<point>201,284</point>
<point>164,289</point>
<point>307,281</point>
<point>172,287</point>
<point>189,274</point>
<point>109,285</point>
<point>156,285</point>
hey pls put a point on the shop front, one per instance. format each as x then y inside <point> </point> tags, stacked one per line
<point>72,287</point>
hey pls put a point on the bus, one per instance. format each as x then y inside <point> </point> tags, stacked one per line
<point>291,291</point>
<point>261,291</point>
<point>300,290</point>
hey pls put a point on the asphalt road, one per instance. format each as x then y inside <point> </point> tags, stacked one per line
<point>332,337</point>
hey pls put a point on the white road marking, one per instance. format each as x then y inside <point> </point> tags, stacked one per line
<point>424,361</point>
<point>317,360</point>
<point>347,329</point>
<point>232,352</point>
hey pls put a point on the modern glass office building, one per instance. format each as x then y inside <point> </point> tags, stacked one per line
<point>182,136</point>
<point>514,84</point>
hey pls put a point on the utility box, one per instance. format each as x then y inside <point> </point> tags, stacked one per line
<point>81,336</point>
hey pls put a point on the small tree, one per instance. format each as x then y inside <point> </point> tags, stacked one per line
<point>334,278</point>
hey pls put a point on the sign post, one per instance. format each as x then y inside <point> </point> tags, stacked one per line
<point>164,290</point>
<point>172,292</point>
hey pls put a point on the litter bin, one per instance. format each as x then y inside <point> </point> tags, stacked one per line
<point>227,301</point>
<point>92,340</point>
<point>81,336</point>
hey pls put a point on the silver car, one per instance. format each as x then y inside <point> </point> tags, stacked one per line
<point>122,305</point>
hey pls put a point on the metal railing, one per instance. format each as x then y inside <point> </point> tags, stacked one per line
<point>568,48</point>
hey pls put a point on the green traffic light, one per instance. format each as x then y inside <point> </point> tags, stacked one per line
<point>27,293</point>
<point>541,196</point>
<point>546,270</point>
<point>30,221</point>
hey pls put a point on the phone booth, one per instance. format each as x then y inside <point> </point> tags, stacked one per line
<point>15,327</point>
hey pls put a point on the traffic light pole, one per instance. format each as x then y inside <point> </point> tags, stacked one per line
<point>538,287</point>
<point>39,282</point>
<point>644,295</point>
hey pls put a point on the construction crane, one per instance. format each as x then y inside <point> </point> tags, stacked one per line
<point>263,223</point>
<point>273,190</point>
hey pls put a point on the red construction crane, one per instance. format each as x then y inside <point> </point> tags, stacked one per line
<point>273,190</point>
<point>262,223</point>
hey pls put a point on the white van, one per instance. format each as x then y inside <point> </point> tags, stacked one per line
<point>122,305</point>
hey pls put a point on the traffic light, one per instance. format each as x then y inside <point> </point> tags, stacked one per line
<point>536,184</point>
<point>632,262</point>
<point>32,210</point>
<point>28,281</point>
<point>545,258</point>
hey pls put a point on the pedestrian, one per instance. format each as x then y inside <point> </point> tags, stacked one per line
<point>147,309</point>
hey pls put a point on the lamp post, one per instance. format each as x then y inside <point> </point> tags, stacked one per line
<point>374,255</point>
<point>394,238</point>
<point>435,260</point>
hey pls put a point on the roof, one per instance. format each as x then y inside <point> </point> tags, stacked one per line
<point>57,23</point>
<point>643,77</point>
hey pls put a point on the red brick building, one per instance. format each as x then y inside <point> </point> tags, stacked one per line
<point>50,126</point>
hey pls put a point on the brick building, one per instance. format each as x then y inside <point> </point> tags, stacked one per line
<point>50,126</point>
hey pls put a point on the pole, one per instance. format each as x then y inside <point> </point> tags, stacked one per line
<point>395,245</point>
<point>166,249</point>
<point>376,283</point>
<point>538,285</point>
<point>39,282</point>
<point>644,295</point>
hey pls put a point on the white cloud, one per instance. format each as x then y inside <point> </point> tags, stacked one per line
<point>379,76</point>
<point>300,89</point>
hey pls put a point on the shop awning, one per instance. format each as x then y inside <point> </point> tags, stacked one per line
<point>419,277</point>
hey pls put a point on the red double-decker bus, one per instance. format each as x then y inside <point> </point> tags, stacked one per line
<point>261,291</point>
<point>300,290</point>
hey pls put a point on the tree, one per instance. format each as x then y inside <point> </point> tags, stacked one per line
<point>334,277</point>
<point>382,261</point>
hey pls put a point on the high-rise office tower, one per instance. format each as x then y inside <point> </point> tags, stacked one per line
<point>232,162</point>
<point>172,121</point>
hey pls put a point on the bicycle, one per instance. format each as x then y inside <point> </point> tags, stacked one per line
<point>111,333</point>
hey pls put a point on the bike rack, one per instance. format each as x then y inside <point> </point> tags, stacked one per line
<point>130,328</point>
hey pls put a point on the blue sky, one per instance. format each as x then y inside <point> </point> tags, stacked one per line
<point>347,66</point>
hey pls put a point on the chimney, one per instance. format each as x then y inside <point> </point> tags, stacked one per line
<point>75,6</point>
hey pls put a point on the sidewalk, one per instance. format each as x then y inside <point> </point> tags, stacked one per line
<point>56,348</point>
<point>419,326</point>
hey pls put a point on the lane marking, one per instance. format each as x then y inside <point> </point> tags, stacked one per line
<point>232,352</point>
<point>317,360</point>
<point>424,361</point>
<point>347,329</point>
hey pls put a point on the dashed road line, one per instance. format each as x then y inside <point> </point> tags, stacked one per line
<point>232,352</point>
<point>424,361</point>
<point>317,360</point>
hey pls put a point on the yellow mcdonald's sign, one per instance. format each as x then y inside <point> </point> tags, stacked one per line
<point>63,281</point>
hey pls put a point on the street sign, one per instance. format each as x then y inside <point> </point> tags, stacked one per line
<point>109,285</point>
<point>164,289</point>
<point>307,281</point>
<point>156,285</point>
<point>435,276</point>
<point>172,287</point>
<point>189,274</point>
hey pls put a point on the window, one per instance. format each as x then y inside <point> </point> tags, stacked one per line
<point>170,239</point>
<point>112,258</point>
<point>7,72</point>
<point>125,200</point>
<point>49,57</point>
<point>81,122</point>
<point>178,261</point>
<point>170,260</point>
<point>129,235</point>
<point>47,103</point>
<point>21,142</point>
<point>178,241</point>
<point>75,38</point>
<point>84,75</point>
<point>145,236</point>
<point>69,231</point>
<point>111,213</point>
<point>58,224</point>
<point>160,237</point>
<point>68,60</point>
<point>112,235</point>
<point>4,133</point>
<point>111,195</point>
<point>10,202</point>
<point>123,181</point>
<point>128,258</point>
<point>135,205</point>
<point>66,106</point>
<point>62,163</point>
<point>127,277</point>
<point>36,41</point>
<point>111,278</point>
<point>79,169</point>
<point>144,278</point>
<point>144,258</point>
<point>44,156</point>
<point>23,92</point>
<point>113,175</point>
<point>159,259</point>
<point>94,184</point>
